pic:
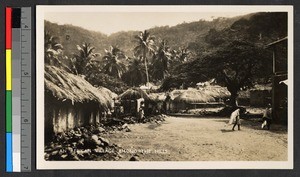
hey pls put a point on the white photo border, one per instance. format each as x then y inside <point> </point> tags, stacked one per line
<point>43,164</point>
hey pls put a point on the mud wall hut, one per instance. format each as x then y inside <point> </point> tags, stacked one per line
<point>70,101</point>
<point>129,101</point>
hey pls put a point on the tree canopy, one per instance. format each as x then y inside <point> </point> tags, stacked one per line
<point>236,56</point>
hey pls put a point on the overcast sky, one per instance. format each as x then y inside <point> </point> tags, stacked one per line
<point>111,22</point>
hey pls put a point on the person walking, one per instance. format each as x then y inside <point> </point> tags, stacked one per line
<point>235,119</point>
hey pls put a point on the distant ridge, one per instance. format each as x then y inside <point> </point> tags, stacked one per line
<point>177,36</point>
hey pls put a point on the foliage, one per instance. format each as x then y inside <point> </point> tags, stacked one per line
<point>135,75</point>
<point>84,57</point>
<point>235,56</point>
<point>171,82</point>
<point>52,49</point>
<point>177,36</point>
<point>161,61</point>
<point>145,46</point>
<point>112,61</point>
<point>180,56</point>
<point>54,53</point>
<point>236,64</point>
<point>97,78</point>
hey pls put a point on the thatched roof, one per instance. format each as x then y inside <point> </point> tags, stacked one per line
<point>215,91</point>
<point>175,93</point>
<point>157,96</point>
<point>65,86</point>
<point>262,87</point>
<point>133,94</point>
<point>194,96</point>
<point>108,93</point>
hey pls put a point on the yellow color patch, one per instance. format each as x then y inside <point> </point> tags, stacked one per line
<point>8,69</point>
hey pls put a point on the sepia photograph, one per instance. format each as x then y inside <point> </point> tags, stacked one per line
<point>164,87</point>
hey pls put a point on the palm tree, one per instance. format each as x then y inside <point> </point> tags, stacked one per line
<point>145,46</point>
<point>136,74</point>
<point>181,55</point>
<point>113,65</point>
<point>52,49</point>
<point>84,57</point>
<point>161,61</point>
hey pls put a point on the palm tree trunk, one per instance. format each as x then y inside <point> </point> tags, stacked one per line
<point>146,67</point>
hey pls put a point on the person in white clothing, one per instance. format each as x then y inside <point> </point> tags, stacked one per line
<point>267,117</point>
<point>235,119</point>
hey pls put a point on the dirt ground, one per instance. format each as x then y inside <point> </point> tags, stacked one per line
<point>201,139</point>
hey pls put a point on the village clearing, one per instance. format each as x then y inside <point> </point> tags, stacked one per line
<point>200,139</point>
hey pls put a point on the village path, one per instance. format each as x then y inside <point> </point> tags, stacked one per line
<point>201,139</point>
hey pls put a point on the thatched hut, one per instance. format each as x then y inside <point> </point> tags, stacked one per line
<point>129,101</point>
<point>217,92</point>
<point>71,101</point>
<point>191,99</point>
<point>159,99</point>
<point>108,94</point>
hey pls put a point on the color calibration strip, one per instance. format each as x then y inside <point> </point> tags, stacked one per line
<point>18,89</point>
<point>8,95</point>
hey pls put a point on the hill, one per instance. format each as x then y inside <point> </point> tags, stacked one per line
<point>177,36</point>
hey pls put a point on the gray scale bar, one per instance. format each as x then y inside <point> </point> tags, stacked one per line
<point>16,97</point>
<point>26,18</point>
<point>26,103</point>
<point>26,52</point>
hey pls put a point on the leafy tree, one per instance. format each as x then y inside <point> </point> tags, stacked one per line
<point>113,64</point>
<point>237,56</point>
<point>84,57</point>
<point>180,56</point>
<point>98,78</point>
<point>145,46</point>
<point>135,75</point>
<point>236,65</point>
<point>161,60</point>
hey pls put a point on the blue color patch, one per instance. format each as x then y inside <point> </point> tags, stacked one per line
<point>9,162</point>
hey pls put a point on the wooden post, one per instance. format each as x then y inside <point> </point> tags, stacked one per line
<point>274,100</point>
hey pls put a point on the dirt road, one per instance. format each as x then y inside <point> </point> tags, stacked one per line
<point>201,139</point>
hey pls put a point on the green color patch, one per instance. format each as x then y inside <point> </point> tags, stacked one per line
<point>8,114</point>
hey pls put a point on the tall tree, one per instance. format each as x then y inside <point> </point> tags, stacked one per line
<point>145,46</point>
<point>136,73</point>
<point>161,61</point>
<point>113,64</point>
<point>84,57</point>
<point>234,65</point>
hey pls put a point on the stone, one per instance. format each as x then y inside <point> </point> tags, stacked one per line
<point>134,158</point>
<point>104,141</point>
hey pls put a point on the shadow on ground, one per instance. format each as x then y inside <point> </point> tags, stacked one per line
<point>255,124</point>
<point>226,131</point>
<point>153,126</point>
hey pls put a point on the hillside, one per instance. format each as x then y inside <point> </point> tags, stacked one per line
<point>177,36</point>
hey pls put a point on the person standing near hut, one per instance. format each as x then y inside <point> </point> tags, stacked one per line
<point>140,105</point>
<point>267,117</point>
<point>141,112</point>
<point>235,119</point>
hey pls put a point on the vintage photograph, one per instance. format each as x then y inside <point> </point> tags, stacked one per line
<point>164,87</point>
